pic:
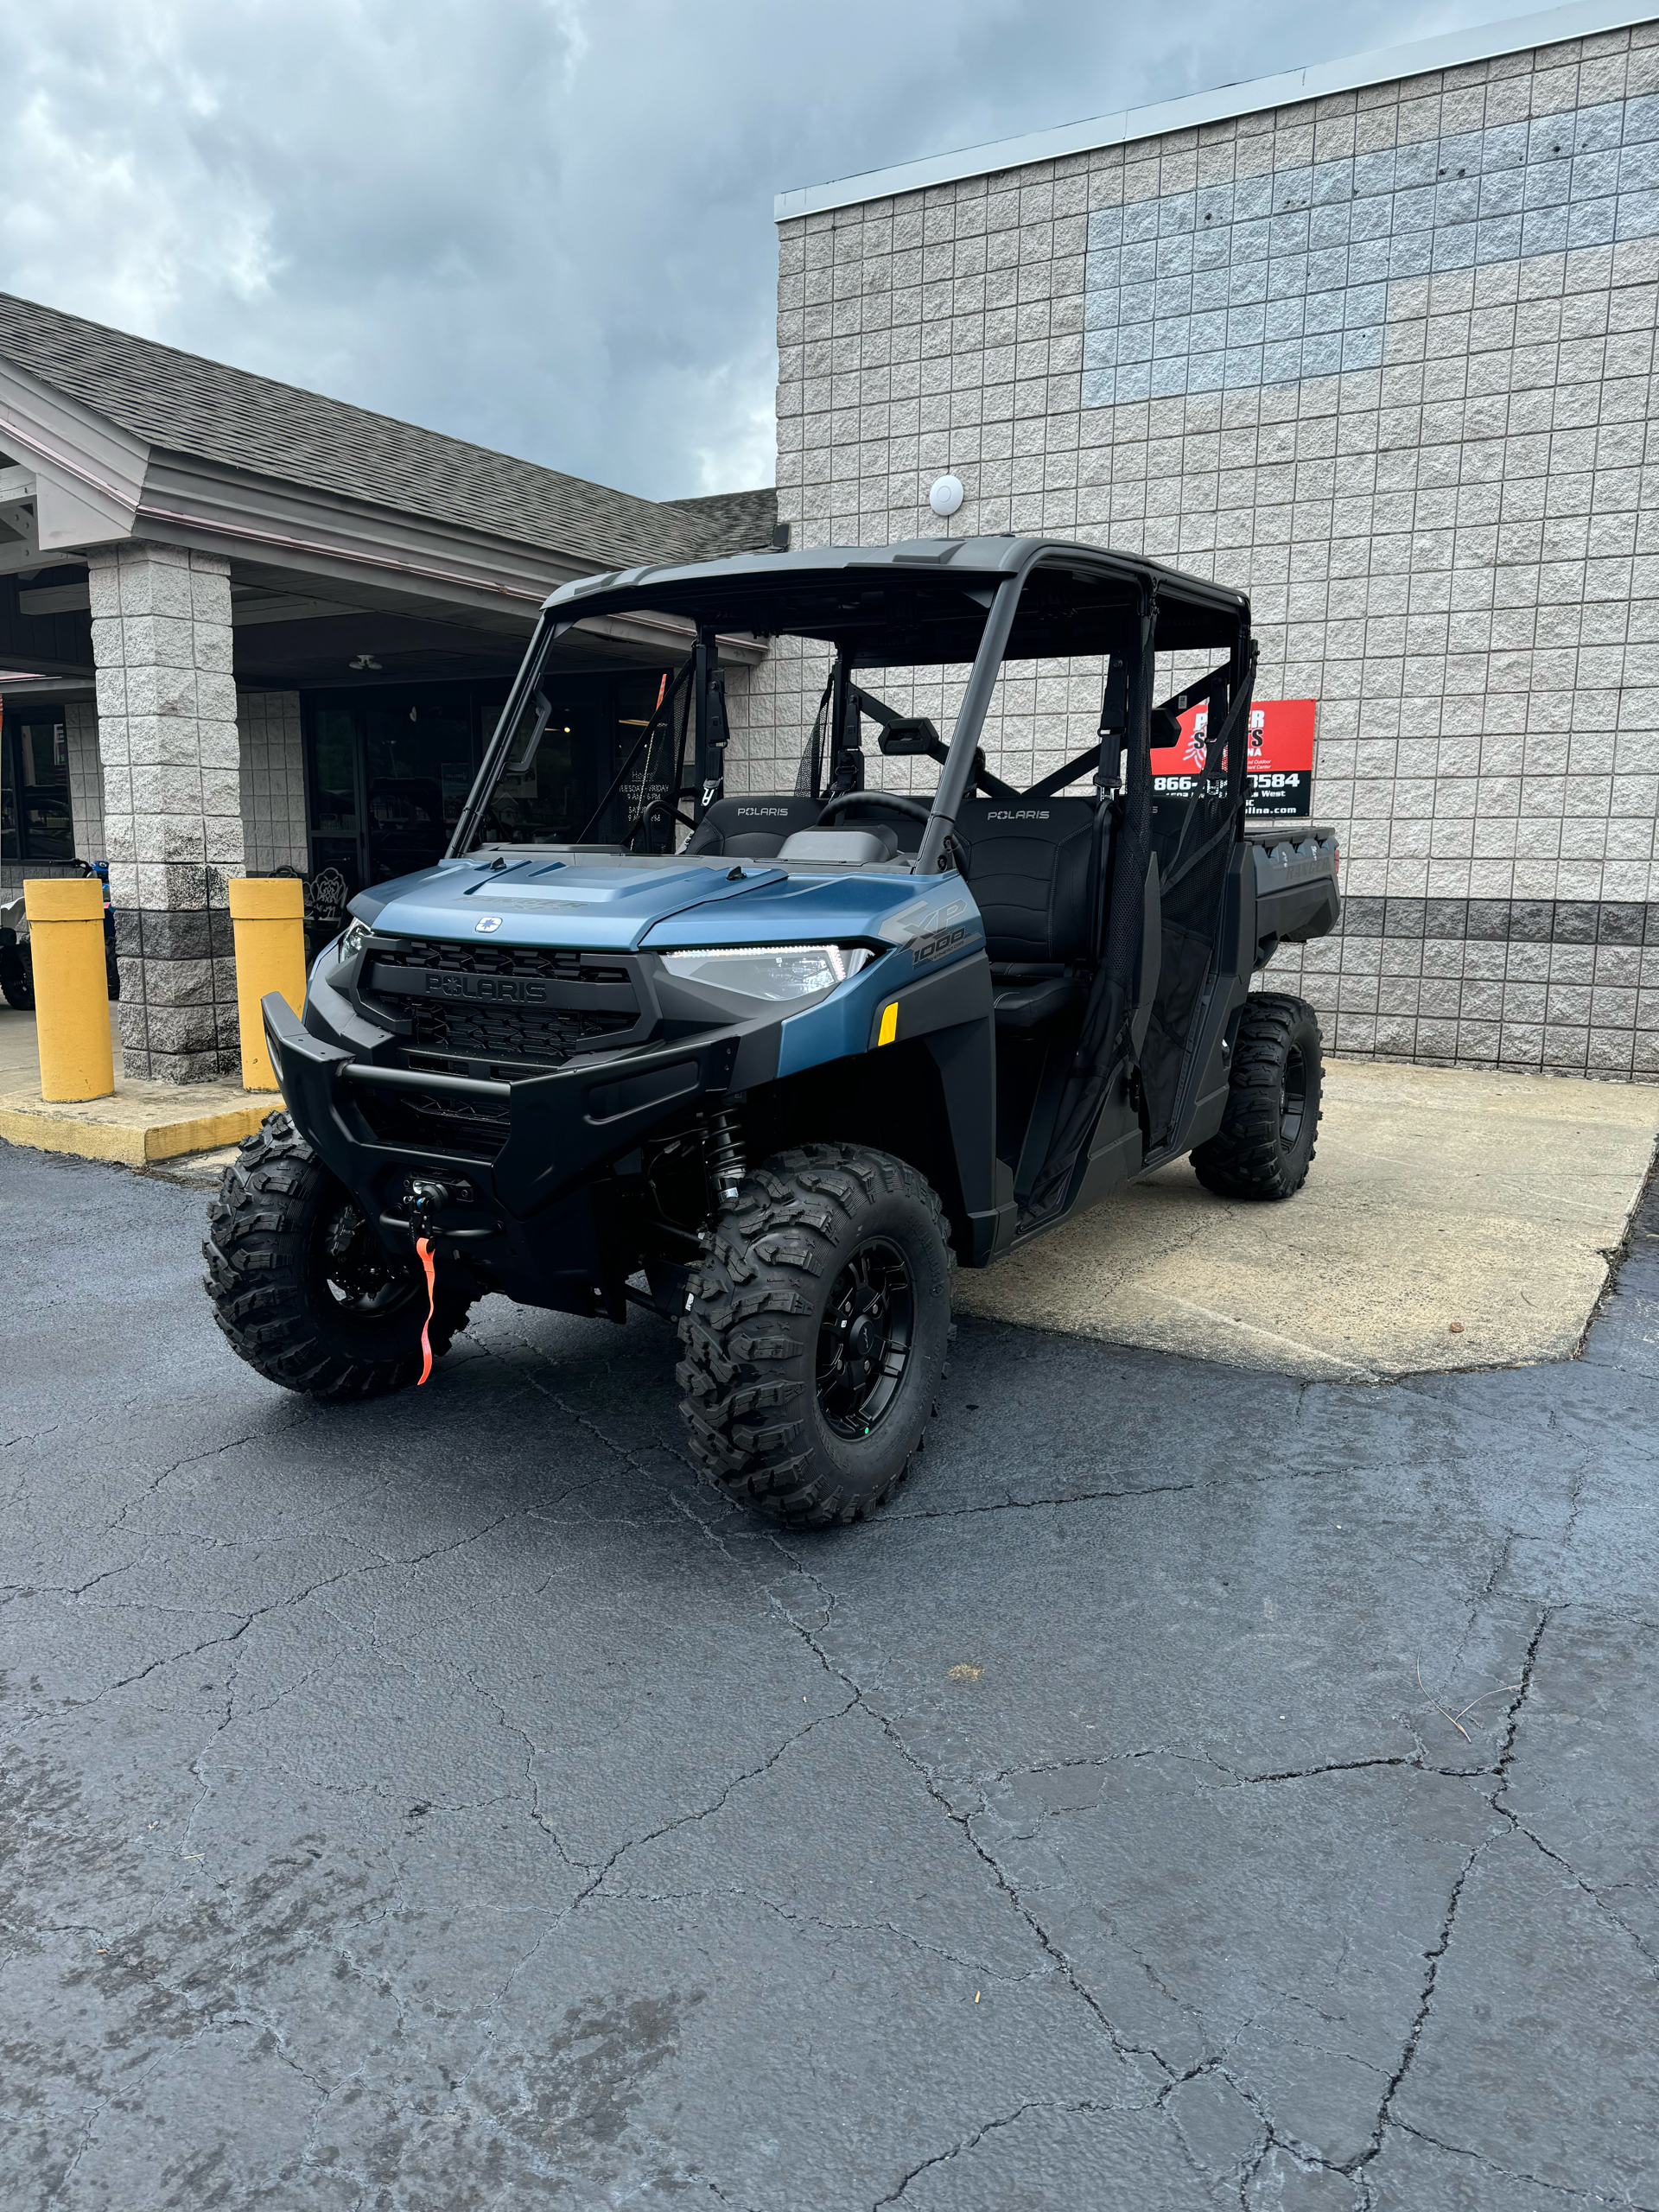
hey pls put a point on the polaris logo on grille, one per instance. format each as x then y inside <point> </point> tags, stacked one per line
<point>514,990</point>
<point>485,923</point>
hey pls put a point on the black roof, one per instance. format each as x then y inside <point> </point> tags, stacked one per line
<point>189,405</point>
<point>924,601</point>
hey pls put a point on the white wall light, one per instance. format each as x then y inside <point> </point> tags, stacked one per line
<point>946,496</point>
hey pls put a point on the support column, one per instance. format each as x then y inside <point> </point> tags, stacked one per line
<point>172,801</point>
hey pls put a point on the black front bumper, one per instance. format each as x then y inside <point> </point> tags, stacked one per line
<point>536,1209</point>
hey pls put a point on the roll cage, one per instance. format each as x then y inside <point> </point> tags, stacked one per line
<point>925,602</point>
<point>982,601</point>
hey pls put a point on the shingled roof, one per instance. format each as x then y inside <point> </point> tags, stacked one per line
<point>186,405</point>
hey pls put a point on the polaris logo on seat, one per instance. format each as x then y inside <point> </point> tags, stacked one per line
<point>1020,814</point>
<point>763,813</point>
<point>522,990</point>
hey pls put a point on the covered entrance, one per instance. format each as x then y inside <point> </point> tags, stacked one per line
<point>388,767</point>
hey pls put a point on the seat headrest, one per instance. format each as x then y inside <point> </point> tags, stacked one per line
<point>760,820</point>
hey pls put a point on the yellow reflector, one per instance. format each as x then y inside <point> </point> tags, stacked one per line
<point>889,1028</point>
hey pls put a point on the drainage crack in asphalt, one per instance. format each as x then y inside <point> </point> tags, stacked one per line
<point>707,1812</point>
<point>1030,1504</point>
<point>1437,1952</point>
<point>1532,2180</point>
<point>1246,2169</point>
<point>277,1605</point>
<point>737,1891</point>
<point>312,1411</point>
<point>1120,2043</point>
<point>987,2127</point>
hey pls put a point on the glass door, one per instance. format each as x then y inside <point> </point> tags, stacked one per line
<point>336,817</point>
<point>419,761</point>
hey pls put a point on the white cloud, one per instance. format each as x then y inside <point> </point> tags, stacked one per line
<point>546,226</point>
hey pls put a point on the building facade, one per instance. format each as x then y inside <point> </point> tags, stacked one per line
<point>250,628</point>
<point>1377,345</point>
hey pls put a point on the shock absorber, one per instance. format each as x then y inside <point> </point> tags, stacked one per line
<point>726,1167</point>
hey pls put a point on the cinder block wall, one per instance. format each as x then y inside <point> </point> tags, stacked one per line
<point>1385,360</point>
<point>271,760</point>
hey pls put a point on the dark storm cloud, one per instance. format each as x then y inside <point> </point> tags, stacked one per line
<point>545,225</point>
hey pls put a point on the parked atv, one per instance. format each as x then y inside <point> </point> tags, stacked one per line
<point>17,969</point>
<point>779,1084</point>
<point>17,963</point>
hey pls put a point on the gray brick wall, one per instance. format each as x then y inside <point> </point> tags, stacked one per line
<point>272,780</point>
<point>86,778</point>
<point>1384,358</point>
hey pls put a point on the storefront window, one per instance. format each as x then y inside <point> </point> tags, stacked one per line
<point>35,821</point>
<point>419,764</point>
<point>390,769</point>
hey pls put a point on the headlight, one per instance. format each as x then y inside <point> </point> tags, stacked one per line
<point>769,971</point>
<point>354,941</point>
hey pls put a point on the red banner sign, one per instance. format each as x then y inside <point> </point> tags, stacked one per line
<point>1280,778</point>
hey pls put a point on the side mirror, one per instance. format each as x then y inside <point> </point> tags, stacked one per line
<point>916,736</point>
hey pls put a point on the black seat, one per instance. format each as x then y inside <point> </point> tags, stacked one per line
<point>752,828</point>
<point>1031,866</point>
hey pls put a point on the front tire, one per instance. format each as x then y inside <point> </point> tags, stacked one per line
<point>1264,1147</point>
<point>815,1335</point>
<point>301,1287</point>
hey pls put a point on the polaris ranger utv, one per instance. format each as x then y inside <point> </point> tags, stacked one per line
<point>774,1064</point>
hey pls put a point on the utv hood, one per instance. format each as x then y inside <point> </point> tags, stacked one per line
<point>614,903</point>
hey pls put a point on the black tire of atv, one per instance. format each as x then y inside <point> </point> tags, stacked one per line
<point>267,1279</point>
<point>19,993</point>
<point>1276,1087</point>
<point>749,1334</point>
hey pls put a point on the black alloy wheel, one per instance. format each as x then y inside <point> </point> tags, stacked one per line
<point>355,1271</point>
<point>864,1338</point>
<point>814,1333</point>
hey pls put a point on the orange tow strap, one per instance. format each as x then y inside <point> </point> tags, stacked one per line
<point>423,1246</point>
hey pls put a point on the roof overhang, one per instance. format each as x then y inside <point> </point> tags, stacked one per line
<point>80,481</point>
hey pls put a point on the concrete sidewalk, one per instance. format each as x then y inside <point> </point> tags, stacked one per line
<point>1451,1219</point>
<point>139,1123</point>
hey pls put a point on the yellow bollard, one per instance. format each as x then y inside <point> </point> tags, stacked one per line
<point>268,915</point>
<point>72,989</point>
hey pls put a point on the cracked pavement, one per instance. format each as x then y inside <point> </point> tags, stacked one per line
<point>1204,1789</point>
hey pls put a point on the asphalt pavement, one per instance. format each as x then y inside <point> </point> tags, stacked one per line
<point>1204,1788</point>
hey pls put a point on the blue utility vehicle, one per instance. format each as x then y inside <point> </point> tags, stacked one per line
<point>775,1062</point>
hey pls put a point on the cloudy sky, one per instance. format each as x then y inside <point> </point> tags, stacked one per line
<point>545,225</point>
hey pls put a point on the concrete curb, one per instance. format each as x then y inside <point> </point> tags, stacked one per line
<point>130,1130</point>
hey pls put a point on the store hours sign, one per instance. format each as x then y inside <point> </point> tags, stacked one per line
<point>1280,777</point>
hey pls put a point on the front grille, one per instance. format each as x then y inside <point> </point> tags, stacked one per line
<point>503,960</point>
<point>435,1121</point>
<point>470,1032</point>
<point>502,1038</point>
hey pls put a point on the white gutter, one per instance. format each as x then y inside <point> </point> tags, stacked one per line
<point>1451,50</point>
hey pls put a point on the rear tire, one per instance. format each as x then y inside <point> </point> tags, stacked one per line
<point>301,1286</point>
<point>814,1334</point>
<point>18,986</point>
<point>1264,1147</point>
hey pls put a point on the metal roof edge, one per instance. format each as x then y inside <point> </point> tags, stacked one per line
<point>1446,50</point>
